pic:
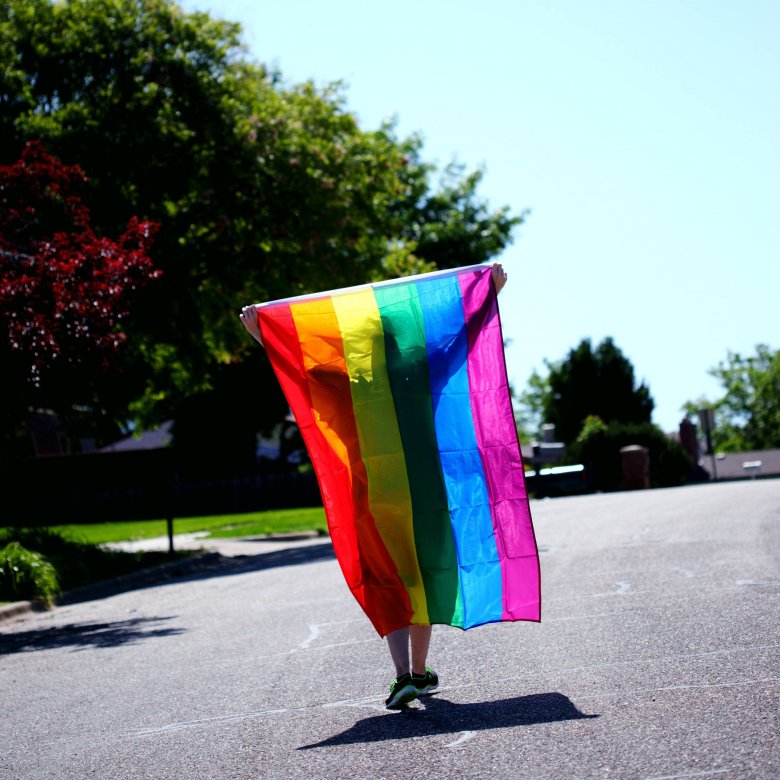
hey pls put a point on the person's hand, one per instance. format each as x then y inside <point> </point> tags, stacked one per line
<point>499,276</point>
<point>248,319</point>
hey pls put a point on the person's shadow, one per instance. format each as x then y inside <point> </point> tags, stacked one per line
<point>440,716</point>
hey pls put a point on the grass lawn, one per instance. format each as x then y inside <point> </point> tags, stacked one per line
<point>246,524</point>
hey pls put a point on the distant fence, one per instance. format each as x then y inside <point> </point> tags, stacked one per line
<point>146,484</point>
<point>557,481</point>
<point>137,485</point>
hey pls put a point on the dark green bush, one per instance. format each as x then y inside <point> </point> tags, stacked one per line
<point>71,560</point>
<point>598,448</point>
<point>78,563</point>
<point>25,574</point>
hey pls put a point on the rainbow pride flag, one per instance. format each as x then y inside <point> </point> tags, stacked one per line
<point>401,395</point>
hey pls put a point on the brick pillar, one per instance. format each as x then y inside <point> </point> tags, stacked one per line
<point>689,439</point>
<point>635,466</point>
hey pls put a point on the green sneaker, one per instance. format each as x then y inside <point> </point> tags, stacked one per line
<point>402,691</point>
<point>425,683</point>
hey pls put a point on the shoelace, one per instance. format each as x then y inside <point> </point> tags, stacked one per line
<point>394,684</point>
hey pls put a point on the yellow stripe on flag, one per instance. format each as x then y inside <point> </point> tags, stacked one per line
<point>380,440</point>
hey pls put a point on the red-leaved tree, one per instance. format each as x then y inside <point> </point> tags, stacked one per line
<point>64,291</point>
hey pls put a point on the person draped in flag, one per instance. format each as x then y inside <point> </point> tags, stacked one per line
<point>409,645</point>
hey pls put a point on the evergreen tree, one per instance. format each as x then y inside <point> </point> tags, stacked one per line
<point>596,382</point>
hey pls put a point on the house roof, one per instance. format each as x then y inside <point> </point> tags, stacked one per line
<point>739,465</point>
<point>153,439</point>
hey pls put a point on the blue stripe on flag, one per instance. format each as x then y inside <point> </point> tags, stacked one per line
<point>464,476</point>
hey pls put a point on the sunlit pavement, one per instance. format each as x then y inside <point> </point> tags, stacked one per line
<point>657,658</point>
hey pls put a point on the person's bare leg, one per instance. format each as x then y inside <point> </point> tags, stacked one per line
<point>421,641</point>
<point>398,642</point>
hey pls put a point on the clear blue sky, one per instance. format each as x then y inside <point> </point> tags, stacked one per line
<point>642,134</point>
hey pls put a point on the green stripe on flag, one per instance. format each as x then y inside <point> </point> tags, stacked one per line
<point>407,365</point>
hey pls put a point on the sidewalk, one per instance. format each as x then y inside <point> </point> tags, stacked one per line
<point>236,547</point>
<point>230,547</point>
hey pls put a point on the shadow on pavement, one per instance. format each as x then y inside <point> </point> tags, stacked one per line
<point>81,636</point>
<point>202,568</point>
<point>440,716</point>
<point>223,566</point>
<point>281,539</point>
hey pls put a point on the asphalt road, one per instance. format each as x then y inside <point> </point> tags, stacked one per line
<point>657,658</point>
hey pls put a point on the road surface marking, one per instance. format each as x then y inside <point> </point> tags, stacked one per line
<point>192,724</point>
<point>663,688</point>
<point>464,737</point>
<point>621,588</point>
<point>639,661</point>
<point>688,774</point>
<point>593,615</point>
<point>314,632</point>
<point>335,644</point>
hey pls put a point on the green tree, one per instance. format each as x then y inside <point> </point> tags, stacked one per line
<point>747,416</point>
<point>261,189</point>
<point>530,403</point>
<point>587,382</point>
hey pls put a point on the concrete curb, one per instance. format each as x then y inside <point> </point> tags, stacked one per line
<point>141,577</point>
<point>20,609</point>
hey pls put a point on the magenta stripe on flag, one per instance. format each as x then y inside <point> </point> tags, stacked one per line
<point>499,448</point>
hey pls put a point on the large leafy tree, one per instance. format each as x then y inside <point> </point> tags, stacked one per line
<point>588,382</point>
<point>747,415</point>
<point>261,189</point>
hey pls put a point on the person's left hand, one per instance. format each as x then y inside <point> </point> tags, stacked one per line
<point>248,319</point>
<point>499,276</point>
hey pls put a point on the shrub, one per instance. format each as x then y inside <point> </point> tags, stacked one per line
<point>79,563</point>
<point>598,448</point>
<point>26,575</point>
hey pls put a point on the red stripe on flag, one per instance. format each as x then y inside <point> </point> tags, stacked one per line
<point>364,560</point>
